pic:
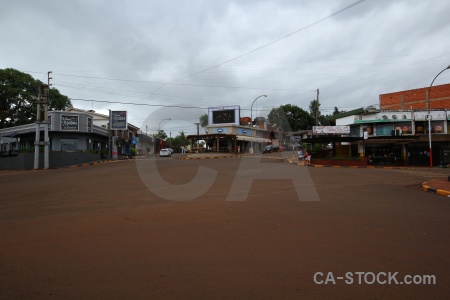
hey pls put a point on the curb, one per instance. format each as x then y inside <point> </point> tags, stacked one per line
<point>428,188</point>
<point>91,163</point>
<point>210,157</point>
<point>229,156</point>
<point>361,167</point>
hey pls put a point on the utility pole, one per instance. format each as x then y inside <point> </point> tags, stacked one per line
<point>198,132</point>
<point>42,118</point>
<point>48,79</point>
<point>317,109</point>
<point>198,129</point>
<point>109,136</point>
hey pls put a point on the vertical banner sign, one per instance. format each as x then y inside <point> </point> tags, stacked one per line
<point>114,152</point>
<point>118,120</point>
<point>69,122</point>
<point>89,124</point>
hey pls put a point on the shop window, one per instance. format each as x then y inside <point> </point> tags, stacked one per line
<point>355,131</point>
<point>69,145</point>
<point>437,127</point>
<point>405,127</point>
<point>420,127</point>
<point>384,129</point>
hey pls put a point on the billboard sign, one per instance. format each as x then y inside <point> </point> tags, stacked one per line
<point>69,122</point>
<point>343,129</point>
<point>224,115</point>
<point>118,120</point>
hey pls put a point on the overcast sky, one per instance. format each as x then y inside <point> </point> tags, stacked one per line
<point>218,53</point>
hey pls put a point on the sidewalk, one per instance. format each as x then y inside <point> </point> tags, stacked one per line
<point>437,186</point>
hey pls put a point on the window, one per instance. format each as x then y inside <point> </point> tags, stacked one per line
<point>384,129</point>
<point>69,145</point>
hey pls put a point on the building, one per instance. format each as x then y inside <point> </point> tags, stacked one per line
<point>228,132</point>
<point>73,139</point>
<point>438,97</point>
<point>123,139</point>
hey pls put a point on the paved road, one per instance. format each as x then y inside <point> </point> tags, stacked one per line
<point>98,232</point>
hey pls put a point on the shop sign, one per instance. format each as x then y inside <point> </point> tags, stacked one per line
<point>340,129</point>
<point>434,115</point>
<point>119,120</point>
<point>114,152</point>
<point>69,122</point>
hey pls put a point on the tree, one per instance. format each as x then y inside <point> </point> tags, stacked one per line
<point>314,111</point>
<point>160,135</point>
<point>203,120</point>
<point>181,140</point>
<point>57,101</point>
<point>322,120</point>
<point>18,96</point>
<point>336,111</point>
<point>291,118</point>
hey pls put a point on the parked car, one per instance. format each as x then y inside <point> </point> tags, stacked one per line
<point>165,152</point>
<point>271,148</point>
<point>170,149</point>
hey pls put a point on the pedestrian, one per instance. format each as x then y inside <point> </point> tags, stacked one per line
<point>307,158</point>
<point>301,155</point>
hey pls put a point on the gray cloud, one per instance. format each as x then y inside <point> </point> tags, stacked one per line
<point>373,48</point>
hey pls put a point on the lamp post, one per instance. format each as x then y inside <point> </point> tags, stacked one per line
<point>159,129</point>
<point>251,122</point>
<point>429,116</point>
<point>159,126</point>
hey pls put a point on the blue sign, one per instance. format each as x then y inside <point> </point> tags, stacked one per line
<point>220,130</point>
<point>244,131</point>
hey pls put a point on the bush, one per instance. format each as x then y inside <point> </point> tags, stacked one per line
<point>133,151</point>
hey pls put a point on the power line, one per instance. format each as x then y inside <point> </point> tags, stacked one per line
<point>180,84</point>
<point>141,104</point>
<point>237,65</point>
<point>277,40</point>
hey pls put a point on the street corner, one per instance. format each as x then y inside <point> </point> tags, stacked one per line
<point>438,186</point>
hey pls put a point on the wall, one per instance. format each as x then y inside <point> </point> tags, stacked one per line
<point>439,98</point>
<point>25,161</point>
<point>342,150</point>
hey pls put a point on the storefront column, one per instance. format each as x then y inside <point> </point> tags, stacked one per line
<point>404,154</point>
<point>445,123</point>
<point>361,149</point>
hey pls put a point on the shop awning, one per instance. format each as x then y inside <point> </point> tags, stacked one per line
<point>255,139</point>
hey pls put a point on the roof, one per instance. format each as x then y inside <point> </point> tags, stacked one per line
<point>91,112</point>
<point>348,113</point>
<point>322,139</point>
<point>210,136</point>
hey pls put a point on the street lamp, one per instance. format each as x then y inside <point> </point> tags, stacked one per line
<point>429,116</point>
<point>251,122</point>
<point>159,126</point>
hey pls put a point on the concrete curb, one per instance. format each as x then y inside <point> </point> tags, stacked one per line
<point>229,156</point>
<point>361,167</point>
<point>428,188</point>
<point>91,163</point>
<point>210,157</point>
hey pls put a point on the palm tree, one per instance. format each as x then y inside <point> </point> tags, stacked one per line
<point>203,120</point>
